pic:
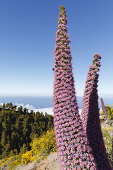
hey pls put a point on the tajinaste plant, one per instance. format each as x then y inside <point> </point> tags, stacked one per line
<point>73,149</point>
<point>90,116</point>
<point>104,108</point>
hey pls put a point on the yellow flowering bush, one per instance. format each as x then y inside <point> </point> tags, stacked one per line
<point>109,112</point>
<point>43,145</point>
<point>12,161</point>
<point>107,134</point>
<point>3,161</point>
<point>41,148</point>
<point>27,157</point>
<point>13,164</point>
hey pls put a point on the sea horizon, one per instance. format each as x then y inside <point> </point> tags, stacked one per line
<point>41,101</point>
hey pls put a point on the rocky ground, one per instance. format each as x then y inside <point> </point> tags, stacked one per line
<point>51,163</point>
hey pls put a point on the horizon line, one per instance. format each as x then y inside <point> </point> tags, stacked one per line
<point>41,95</point>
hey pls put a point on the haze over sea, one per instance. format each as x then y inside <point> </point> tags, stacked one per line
<point>43,103</point>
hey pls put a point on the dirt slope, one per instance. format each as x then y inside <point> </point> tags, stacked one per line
<point>51,163</point>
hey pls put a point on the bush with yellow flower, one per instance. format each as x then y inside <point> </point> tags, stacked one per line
<point>27,157</point>
<point>44,145</point>
<point>107,134</point>
<point>109,110</point>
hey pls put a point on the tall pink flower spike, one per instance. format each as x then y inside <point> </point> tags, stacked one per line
<point>73,149</point>
<point>90,116</point>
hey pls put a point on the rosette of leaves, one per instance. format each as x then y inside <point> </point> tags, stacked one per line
<point>73,149</point>
<point>90,116</point>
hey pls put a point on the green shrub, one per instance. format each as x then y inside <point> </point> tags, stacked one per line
<point>109,112</point>
<point>107,134</point>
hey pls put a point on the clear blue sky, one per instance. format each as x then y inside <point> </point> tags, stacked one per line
<point>27,39</point>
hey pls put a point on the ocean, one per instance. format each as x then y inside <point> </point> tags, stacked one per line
<point>43,103</point>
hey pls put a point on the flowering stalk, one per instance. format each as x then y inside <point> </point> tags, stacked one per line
<point>103,108</point>
<point>73,149</point>
<point>90,116</point>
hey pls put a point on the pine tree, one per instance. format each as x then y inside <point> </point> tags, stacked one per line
<point>19,126</point>
<point>90,116</point>
<point>73,149</point>
<point>3,139</point>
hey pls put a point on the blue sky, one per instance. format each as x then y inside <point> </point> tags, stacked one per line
<point>27,40</point>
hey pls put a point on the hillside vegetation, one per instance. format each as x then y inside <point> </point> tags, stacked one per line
<point>18,127</point>
<point>42,145</point>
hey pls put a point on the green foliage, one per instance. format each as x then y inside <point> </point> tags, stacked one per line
<point>107,130</point>
<point>107,134</point>
<point>18,127</point>
<point>109,112</point>
<point>23,149</point>
<point>41,147</point>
